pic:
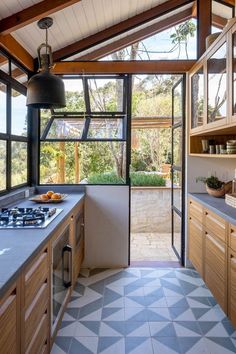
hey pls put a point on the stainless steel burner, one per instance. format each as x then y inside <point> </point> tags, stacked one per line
<point>27,217</point>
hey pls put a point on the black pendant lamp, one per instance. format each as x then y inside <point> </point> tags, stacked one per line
<point>45,90</point>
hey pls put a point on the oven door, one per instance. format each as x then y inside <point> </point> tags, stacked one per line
<point>61,274</point>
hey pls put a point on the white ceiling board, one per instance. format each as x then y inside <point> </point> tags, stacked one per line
<point>172,13</point>
<point>9,7</point>
<point>79,21</point>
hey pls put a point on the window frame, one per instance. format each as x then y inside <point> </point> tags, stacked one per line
<point>13,84</point>
<point>88,114</point>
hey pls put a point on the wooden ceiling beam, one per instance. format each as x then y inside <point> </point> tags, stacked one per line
<point>17,51</point>
<point>203,24</point>
<point>229,2</point>
<point>121,67</point>
<point>32,14</point>
<point>138,36</point>
<point>219,21</point>
<point>118,29</point>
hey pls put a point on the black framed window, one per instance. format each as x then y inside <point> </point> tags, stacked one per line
<point>14,137</point>
<point>86,141</point>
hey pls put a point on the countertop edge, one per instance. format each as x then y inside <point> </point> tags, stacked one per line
<point>197,197</point>
<point>6,285</point>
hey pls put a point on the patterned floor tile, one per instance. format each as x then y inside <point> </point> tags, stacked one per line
<point>143,311</point>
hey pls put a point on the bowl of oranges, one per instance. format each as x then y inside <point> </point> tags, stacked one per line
<point>49,197</point>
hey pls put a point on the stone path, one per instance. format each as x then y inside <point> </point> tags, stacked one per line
<point>151,247</point>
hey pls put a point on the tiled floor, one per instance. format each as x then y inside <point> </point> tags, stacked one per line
<point>144,311</point>
<point>151,247</point>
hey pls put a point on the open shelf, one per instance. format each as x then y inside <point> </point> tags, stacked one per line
<point>224,156</point>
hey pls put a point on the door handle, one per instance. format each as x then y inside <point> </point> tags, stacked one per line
<point>68,249</point>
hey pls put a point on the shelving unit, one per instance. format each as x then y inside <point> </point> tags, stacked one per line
<point>224,156</point>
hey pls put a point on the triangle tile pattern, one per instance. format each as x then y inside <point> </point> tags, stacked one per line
<point>143,311</point>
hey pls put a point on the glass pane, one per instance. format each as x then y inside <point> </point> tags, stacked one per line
<point>106,95</point>
<point>177,146</point>
<point>177,232</point>
<point>4,63</point>
<point>3,108</point>
<point>217,95</point>
<point>175,43</point>
<point>177,191</point>
<point>19,114</point>
<point>101,128</point>
<point>82,162</point>
<point>18,163</point>
<point>3,162</point>
<point>178,104</point>
<point>234,73</point>
<point>66,128</point>
<point>74,96</point>
<point>152,96</point>
<point>197,98</point>
<point>45,115</point>
<point>19,75</point>
<point>221,13</point>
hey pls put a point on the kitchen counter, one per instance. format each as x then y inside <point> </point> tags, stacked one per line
<point>19,246</point>
<point>217,205</point>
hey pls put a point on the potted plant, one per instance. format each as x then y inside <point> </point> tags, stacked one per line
<point>214,186</point>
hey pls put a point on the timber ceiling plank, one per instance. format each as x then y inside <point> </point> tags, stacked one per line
<point>119,28</point>
<point>138,36</point>
<point>32,14</point>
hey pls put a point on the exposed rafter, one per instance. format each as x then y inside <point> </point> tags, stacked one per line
<point>32,14</point>
<point>219,21</point>
<point>17,51</point>
<point>119,28</point>
<point>138,36</point>
<point>203,24</point>
<point>119,67</point>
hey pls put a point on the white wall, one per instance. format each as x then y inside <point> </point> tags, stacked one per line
<point>106,226</point>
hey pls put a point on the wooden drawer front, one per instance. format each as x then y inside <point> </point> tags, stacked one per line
<point>232,237</point>
<point>217,286</point>
<point>195,244</point>
<point>195,210</point>
<point>8,325</point>
<point>35,312</point>
<point>215,224</point>
<point>78,258</point>
<point>40,339</point>
<point>35,277</point>
<point>232,286</point>
<point>215,255</point>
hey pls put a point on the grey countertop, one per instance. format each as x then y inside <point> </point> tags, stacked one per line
<point>19,246</point>
<point>217,205</point>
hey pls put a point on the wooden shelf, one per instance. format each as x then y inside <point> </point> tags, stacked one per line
<point>224,156</point>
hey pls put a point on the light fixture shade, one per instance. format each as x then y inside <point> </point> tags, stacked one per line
<point>46,90</point>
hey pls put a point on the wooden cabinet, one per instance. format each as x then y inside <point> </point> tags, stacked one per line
<point>78,248</point>
<point>215,274</point>
<point>232,285</point>
<point>10,322</point>
<point>212,108</point>
<point>35,304</point>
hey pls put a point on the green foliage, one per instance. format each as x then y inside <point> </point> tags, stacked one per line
<point>143,179</point>
<point>105,178</point>
<point>212,182</point>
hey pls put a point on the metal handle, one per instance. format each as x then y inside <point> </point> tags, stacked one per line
<point>67,248</point>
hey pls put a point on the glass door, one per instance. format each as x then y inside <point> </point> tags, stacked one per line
<point>177,169</point>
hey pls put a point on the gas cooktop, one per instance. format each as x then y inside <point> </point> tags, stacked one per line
<point>18,218</point>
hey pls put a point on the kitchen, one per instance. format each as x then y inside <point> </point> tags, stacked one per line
<point>84,228</point>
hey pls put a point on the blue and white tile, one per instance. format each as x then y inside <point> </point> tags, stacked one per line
<point>108,345</point>
<point>138,345</point>
<point>166,345</point>
<point>84,345</point>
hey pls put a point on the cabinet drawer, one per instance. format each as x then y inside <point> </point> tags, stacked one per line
<point>195,247</point>
<point>215,224</point>
<point>195,210</point>
<point>40,339</point>
<point>35,312</point>
<point>217,286</point>
<point>232,286</point>
<point>35,276</point>
<point>8,324</point>
<point>232,237</point>
<point>215,255</point>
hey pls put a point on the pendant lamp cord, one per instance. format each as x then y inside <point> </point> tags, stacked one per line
<point>46,41</point>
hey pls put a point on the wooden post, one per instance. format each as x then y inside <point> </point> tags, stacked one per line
<point>61,163</point>
<point>203,24</point>
<point>77,166</point>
